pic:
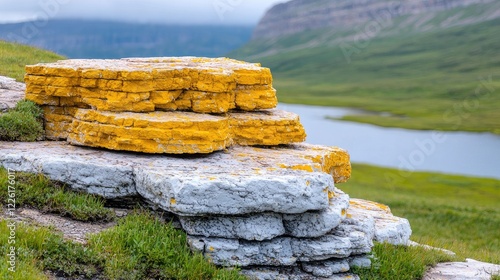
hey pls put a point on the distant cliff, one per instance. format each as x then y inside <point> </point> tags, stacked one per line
<point>300,15</point>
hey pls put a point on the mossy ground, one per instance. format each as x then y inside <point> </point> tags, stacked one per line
<point>22,123</point>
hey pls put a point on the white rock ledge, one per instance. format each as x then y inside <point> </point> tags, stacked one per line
<point>222,183</point>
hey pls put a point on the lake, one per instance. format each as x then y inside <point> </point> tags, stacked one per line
<point>465,153</point>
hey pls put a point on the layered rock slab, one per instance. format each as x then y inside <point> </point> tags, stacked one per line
<point>329,256</point>
<point>171,132</point>
<point>11,92</point>
<point>388,228</point>
<point>266,226</point>
<point>203,85</point>
<point>156,132</point>
<point>348,240</point>
<point>191,186</point>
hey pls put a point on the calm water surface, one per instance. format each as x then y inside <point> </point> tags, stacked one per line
<point>474,154</point>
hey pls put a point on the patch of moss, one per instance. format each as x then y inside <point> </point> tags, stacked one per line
<point>22,123</point>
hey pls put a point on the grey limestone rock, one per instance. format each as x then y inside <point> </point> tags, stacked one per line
<point>11,92</point>
<point>258,227</point>
<point>188,186</point>
<point>388,228</point>
<point>468,270</point>
<point>319,223</point>
<point>290,273</point>
<point>226,194</point>
<point>285,251</point>
<point>265,226</point>
<point>326,268</point>
<point>362,261</point>
<point>232,252</point>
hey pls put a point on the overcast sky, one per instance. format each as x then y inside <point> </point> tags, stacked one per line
<point>243,12</point>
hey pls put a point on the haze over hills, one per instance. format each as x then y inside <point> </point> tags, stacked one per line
<point>107,39</point>
<point>434,66</point>
<point>302,15</point>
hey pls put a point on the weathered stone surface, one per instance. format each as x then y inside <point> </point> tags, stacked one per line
<point>157,132</point>
<point>315,224</point>
<point>203,85</point>
<point>193,185</point>
<point>265,226</point>
<point>283,191</point>
<point>413,243</point>
<point>469,270</point>
<point>362,261</point>
<point>58,121</point>
<point>170,132</point>
<point>11,92</point>
<point>267,128</point>
<point>332,160</point>
<point>388,228</point>
<point>81,169</point>
<point>346,241</point>
<point>290,273</point>
<point>326,268</point>
<point>258,227</point>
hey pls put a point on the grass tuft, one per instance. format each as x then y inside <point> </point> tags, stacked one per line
<point>400,262</point>
<point>142,247</point>
<point>457,213</point>
<point>35,190</point>
<point>22,123</point>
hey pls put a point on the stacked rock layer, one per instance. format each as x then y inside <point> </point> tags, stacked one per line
<point>139,104</point>
<point>273,210</point>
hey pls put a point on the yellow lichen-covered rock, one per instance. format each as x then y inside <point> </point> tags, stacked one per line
<point>267,128</point>
<point>203,85</point>
<point>157,132</point>
<point>174,132</point>
<point>58,121</point>
<point>300,156</point>
<point>332,160</point>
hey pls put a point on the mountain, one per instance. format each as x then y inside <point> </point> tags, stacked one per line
<point>302,15</point>
<point>105,39</point>
<point>433,67</point>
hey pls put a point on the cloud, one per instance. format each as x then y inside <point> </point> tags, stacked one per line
<point>159,11</point>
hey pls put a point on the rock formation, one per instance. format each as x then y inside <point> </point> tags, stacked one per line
<point>274,210</point>
<point>134,104</point>
<point>11,92</point>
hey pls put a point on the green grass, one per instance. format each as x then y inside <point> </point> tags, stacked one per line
<point>14,57</point>
<point>140,247</point>
<point>457,213</point>
<point>38,192</point>
<point>447,79</point>
<point>22,123</point>
<point>400,262</point>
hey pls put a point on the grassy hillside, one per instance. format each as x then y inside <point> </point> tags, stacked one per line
<point>458,213</point>
<point>14,57</point>
<point>447,79</point>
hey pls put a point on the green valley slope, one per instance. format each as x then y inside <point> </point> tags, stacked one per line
<point>429,76</point>
<point>14,57</point>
